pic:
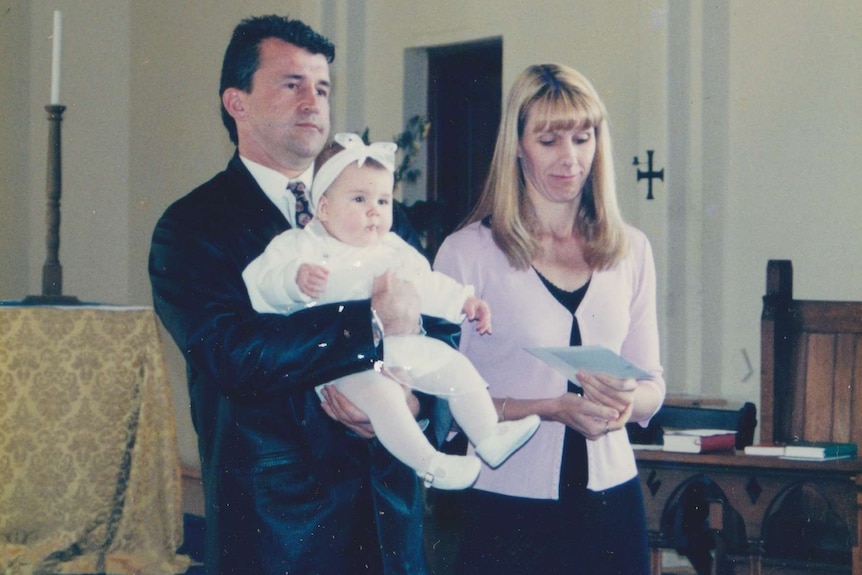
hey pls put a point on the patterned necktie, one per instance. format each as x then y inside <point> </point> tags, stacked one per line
<point>303,213</point>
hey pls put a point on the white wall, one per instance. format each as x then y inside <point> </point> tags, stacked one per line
<point>94,140</point>
<point>95,86</point>
<point>754,105</point>
<point>794,159</point>
<point>15,128</point>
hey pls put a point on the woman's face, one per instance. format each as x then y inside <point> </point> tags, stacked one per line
<point>556,162</point>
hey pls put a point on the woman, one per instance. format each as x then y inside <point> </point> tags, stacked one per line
<point>547,248</point>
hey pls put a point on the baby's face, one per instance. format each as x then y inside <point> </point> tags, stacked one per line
<point>357,207</point>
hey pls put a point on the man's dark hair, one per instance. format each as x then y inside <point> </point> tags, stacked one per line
<point>242,57</point>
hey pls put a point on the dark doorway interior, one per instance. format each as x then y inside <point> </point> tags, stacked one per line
<point>464,103</point>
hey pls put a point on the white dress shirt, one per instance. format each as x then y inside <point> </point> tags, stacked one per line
<point>274,185</point>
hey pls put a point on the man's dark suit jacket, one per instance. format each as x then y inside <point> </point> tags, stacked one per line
<point>286,488</point>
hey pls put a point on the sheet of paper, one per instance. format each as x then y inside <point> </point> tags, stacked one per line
<point>593,358</point>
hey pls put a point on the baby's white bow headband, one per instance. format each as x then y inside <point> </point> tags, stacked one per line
<point>355,150</point>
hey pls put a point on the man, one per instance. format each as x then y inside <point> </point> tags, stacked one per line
<point>287,489</point>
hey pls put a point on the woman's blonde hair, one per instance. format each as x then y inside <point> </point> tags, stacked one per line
<point>564,99</point>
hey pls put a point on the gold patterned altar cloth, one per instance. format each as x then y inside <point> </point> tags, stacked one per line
<point>89,463</point>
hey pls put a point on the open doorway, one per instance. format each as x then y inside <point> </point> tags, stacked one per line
<point>464,106</point>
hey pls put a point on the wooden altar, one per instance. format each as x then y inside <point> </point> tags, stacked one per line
<point>755,491</point>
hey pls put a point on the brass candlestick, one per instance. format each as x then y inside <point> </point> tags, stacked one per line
<point>52,271</point>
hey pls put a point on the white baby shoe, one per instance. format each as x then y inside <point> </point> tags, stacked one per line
<point>451,471</point>
<point>507,438</point>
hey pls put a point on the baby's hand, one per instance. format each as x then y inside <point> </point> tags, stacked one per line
<point>311,280</point>
<point>477,310</point>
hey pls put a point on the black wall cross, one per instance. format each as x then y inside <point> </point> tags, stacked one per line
<point>649,174</point>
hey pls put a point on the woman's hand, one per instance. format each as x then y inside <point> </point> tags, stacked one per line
<point>588,417</point>
<point>613,392</point>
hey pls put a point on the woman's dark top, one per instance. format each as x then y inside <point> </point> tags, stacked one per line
<point>574,468</point>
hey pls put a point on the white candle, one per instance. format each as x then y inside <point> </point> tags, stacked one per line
<point>55,58</point>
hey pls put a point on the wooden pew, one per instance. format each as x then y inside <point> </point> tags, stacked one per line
<point>783,516</point>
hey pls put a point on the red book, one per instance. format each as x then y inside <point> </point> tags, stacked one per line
<point>699,440</point>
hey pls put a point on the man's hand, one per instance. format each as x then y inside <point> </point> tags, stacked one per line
<point>345,412</point>
<point>397,304</point>
<point>342,410</point>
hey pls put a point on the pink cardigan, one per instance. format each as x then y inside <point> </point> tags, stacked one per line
<point>618,312</point>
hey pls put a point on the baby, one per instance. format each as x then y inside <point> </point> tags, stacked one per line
<point>336,257</point>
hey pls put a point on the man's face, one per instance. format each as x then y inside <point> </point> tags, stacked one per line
<point>283,121</point>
